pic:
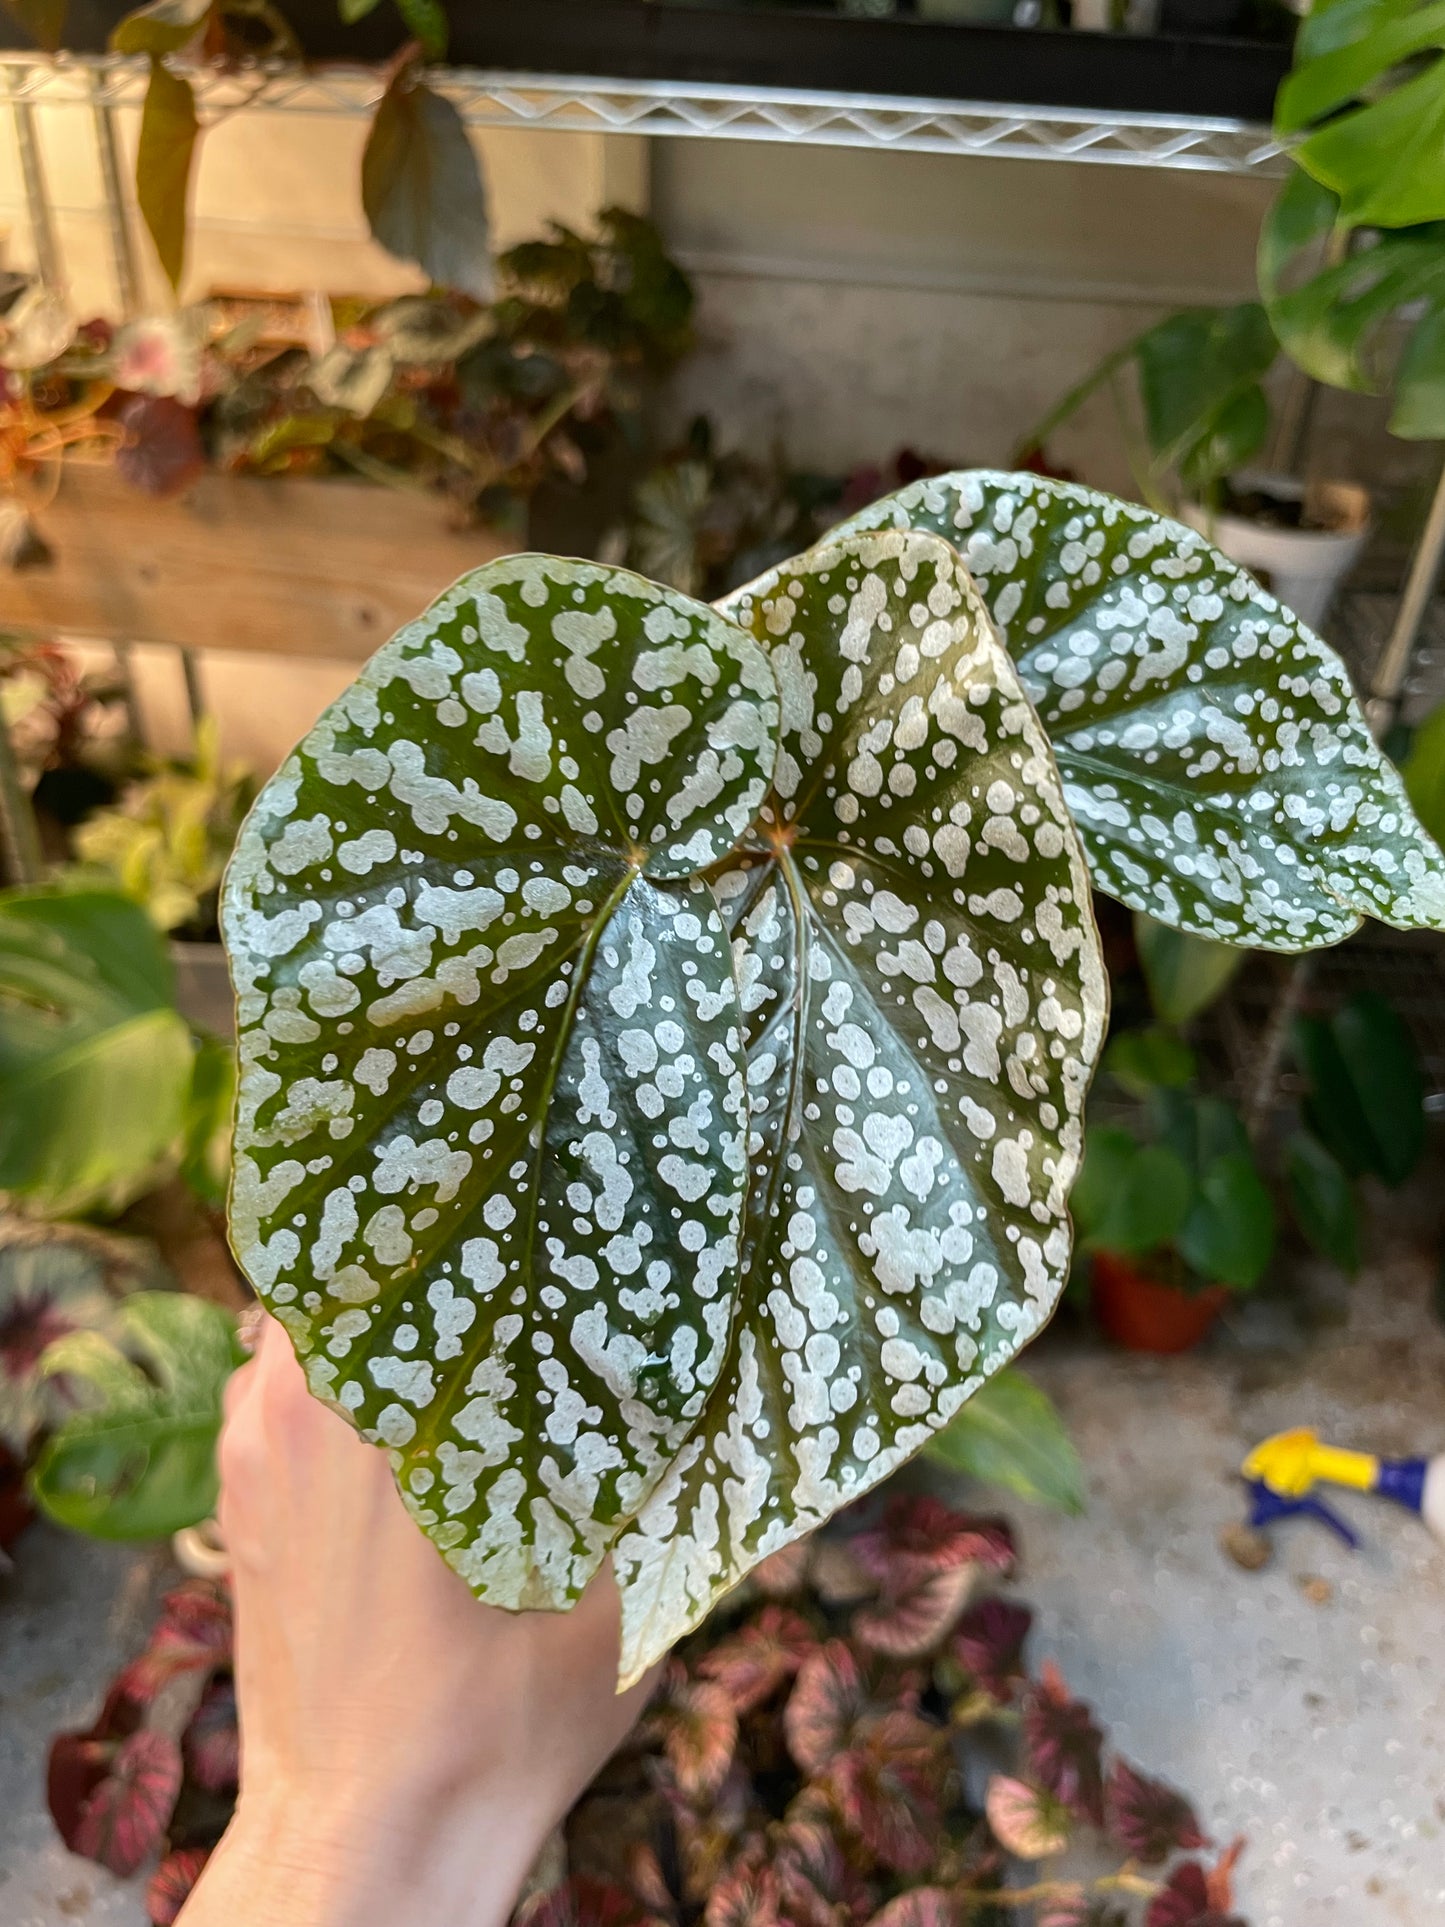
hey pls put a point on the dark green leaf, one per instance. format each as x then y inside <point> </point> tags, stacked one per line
<point>1332,1108</point>
<point>163,27</point>
<point>490,1147</point>
<point>1199,376</point>
<point>1196,1129</point>
<point>1324,1201</point>
<point>422,188</point>
<point>168,132</point>
<point>1373,319</point>
<point>1228,1235</point>
<point>94,1061</point>
<point>1419,410</point>
<point>1139,1060</point>
<point>1184,974</point>
<point>1130,1201</point>
<point>43,20</point>
<point>1010,1434</point>
<point>1366,1100</point>
<point>138,1460</point>
<point>1382,1063</point>
<point>353,10</point>
<point>1213,755</point>
<point>206,1156</point>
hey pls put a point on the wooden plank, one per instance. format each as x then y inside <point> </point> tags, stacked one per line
<point>292,568</point>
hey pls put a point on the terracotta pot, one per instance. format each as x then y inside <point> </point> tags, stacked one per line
<point>1141,1314</point>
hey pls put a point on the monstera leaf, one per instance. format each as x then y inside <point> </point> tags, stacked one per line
<point>1218,768</point>
<point>490,1145</point>
<point>505,931</point>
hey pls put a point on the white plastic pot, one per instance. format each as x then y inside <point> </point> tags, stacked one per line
<point>1303,567</point>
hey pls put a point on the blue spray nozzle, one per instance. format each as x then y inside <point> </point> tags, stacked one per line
<point>1267,1505</point>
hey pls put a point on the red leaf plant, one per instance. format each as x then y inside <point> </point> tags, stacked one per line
<point>989,1645</point>
<point>123,1818</point>
<point>1064,1746</point>
<point>158,1769</point>
<point>170,1885</point>
<point>1150,1817</point>
<point>849,1759</point>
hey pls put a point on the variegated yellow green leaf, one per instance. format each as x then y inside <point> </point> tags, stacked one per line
<point>490,1156</point>
<point>1214,758</point>
<point>924,999</point>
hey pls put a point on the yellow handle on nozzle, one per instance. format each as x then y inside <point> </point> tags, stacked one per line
<point>1290,1463</point>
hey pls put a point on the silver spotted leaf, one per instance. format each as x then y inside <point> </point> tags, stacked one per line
<point>924,998</point>
<point>1218,767</point>
<point>490,1152</point>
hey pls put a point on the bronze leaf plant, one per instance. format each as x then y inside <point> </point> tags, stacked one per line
<point>664,1030</point>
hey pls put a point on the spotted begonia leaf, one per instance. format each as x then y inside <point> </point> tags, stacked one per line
<point>1219,769</point>
<point>924,1000</point>
<point>489,1154</point>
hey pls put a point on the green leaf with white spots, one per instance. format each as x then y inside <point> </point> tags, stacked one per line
<point>924,999</point>
<point>1214,758</point>
<point>490,1151</point>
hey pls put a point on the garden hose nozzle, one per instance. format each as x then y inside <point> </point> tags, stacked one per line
<point>1283,1471</point>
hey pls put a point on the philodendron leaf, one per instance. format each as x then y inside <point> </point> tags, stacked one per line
<point>1010,1434</point>
<point>490,1145</point>
<point>1214,758</point>
<point>924,999</point>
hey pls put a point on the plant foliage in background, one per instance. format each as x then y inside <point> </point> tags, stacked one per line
<point>575,858</point>
<point>856,1740</point>
<point>162,1760</point>
<point>1010,1434</point>
<point>105,1091</point>
<point>1199,376</point>
<point>54,1280</point>
<point>1366,95</point>
<point>1184,1194</point>
<point>421,186</point>
<point>429,392</point>
<point>166,839</point>
<point>136,1458</point>
<point>95,1061</point>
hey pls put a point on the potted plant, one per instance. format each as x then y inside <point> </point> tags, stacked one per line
<point>1174,1217</point>
<point>172,452</point>
<point>1205,416</point>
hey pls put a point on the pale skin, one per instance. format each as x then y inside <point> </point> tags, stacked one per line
<point>405,1750</point>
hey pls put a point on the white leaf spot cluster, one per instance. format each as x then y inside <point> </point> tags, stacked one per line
<point>1214,758</point>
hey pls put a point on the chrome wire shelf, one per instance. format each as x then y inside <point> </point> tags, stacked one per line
<point>686,109</point>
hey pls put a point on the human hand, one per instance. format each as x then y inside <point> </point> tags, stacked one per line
<point>405,1750</point>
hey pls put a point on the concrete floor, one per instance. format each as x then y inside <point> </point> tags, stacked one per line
<point>1303,1705</point>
